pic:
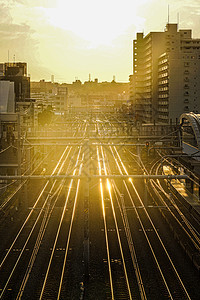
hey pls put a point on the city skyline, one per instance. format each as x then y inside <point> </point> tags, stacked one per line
<point>72,40</point>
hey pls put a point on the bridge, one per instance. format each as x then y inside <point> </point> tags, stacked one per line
<point>190,134</point>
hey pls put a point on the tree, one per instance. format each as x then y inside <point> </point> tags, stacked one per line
<point>46,116</point>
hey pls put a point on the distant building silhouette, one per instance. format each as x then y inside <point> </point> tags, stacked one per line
<point>48,93</point>
<point>78,96</point>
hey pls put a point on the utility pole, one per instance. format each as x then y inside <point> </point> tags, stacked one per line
<point>86,242</point>
<point>19,144</point>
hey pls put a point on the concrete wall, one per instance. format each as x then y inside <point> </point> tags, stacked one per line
<point>7,97</point>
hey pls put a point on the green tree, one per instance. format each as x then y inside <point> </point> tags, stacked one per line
<point>46,116</point>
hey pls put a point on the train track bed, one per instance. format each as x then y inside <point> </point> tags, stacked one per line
<point>15,259</point>
<point>98,276</point>
<point>174,283</point>
<point>92,238</point>
<point>184,227</point>
<point>119,274</point>
<point>189,275</point>
<point>152,279</point>
<point>73,271</point>
<point>17,206</point>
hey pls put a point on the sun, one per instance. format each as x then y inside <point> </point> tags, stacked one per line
<point>98,22</point>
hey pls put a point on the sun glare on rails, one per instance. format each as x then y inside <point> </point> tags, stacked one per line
<point>108,185</point>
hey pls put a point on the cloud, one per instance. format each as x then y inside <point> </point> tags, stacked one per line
<point>34,3</point>
<point>189,12</point>
<point>4,11</point>
<point>26,32</point>
<point>19,39</point>
<point>155,15</point>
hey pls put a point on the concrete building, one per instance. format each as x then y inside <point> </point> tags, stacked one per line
<point>49,94</point>
<point>165,76</point>
<point>99,94</point>
<point>17,73</point>
<point>7,97</point>
<point>16,115</point>
<point>77,96</point>
<point>146,51</point>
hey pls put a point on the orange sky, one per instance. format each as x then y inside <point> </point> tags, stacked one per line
<point>74,38</point>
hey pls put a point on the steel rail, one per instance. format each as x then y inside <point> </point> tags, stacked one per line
<point>155,230</point>
<point>184,220</point>
<point>7,200</point>
<point>105,227</point>
<point>58,230</point>
<point>92,144</point>
<point>43,226</point>
<point>173,157</point>
<point>144,231</point>
<point>121,176</point>
<point>30,233</point>
<point>127,229</point>
<point>117,227</point>
<point>102,137</point>
<point>69,234</point>
<point>38,243</point>
<point>123,212</point>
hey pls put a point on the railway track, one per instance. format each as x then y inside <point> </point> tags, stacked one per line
<point>18,253</point>
<point>119,284</point>
<point>171,286</point>
<point>128,251</point>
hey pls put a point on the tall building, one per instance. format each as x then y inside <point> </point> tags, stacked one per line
<point>7,97</point>
<point>17,73</point>
<point>166,72</point>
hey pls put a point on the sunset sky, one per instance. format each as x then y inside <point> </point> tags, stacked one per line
<point>71,39</point>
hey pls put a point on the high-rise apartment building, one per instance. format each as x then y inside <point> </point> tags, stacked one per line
<point>166,72</point>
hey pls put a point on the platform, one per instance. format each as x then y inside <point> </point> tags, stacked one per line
<point>192,199</point>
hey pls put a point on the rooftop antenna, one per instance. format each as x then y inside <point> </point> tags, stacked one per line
<point>177,20</point>
<point>168,15</point>
<point>14,58</point>
<point>8,57</point>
